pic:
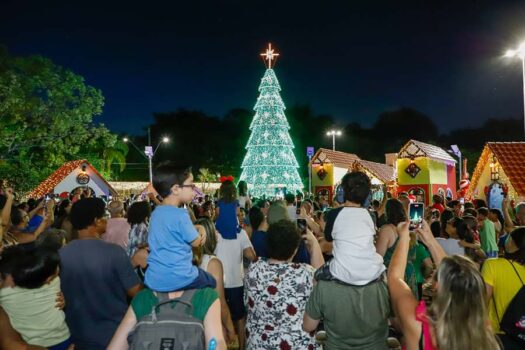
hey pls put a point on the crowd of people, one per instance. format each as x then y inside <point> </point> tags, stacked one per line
<point>169,271</point>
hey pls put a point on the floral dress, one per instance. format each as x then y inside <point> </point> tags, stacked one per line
<point>275,296</point>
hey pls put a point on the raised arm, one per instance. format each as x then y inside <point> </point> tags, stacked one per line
<point>48,219</point>
<point>381,209</point>
<point>6,210</point>
<point>314,226</point>
<point>154,198</point>
<point>435,249</point>
<point>33,212</point>
<point>403,301</point>
<point>316,255</point>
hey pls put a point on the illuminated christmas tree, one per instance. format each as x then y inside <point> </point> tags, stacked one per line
<point>270,167</point>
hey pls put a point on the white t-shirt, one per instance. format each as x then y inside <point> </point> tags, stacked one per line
<point>355,258</point>
<point>230,253</point>
<point>451,246</point>
<point>292,212</point>
<point>242,201</point>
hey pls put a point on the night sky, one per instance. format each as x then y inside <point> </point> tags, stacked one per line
<point>350,61</point>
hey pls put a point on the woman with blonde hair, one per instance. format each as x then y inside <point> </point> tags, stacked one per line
<point>204,257</point>
<point>388,238</point>
<point>458,317</point>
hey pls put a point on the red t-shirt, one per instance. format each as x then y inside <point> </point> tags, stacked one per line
<point>439,207</point>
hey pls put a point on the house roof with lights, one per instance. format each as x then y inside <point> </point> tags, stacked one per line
<point>338,159</point>
<point>511,159</point>
<point>414,149</point>
<point>67,171</point>
<point>385,173</point>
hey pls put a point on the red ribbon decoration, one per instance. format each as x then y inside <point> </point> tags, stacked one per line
<point>223,179</point>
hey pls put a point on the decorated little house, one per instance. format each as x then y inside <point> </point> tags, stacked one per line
<point>71,175</point>
<point>424,170</point>
<point>500,170</point>
<point>328,168</point>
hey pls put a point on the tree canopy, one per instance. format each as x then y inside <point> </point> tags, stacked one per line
<point>47,116</point>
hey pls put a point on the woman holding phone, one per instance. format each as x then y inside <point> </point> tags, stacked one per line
<point>388,238</point>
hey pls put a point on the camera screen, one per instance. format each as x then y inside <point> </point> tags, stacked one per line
<point>416,214</point>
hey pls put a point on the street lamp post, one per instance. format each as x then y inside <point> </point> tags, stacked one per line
<point>520,52</point>
<point>333,133</point>
<point>148,153</point>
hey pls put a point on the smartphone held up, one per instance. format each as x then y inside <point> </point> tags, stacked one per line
<point>416,215</point>
<point>302,225</point>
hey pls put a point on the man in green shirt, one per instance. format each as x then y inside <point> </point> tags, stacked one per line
<point>355,317</point>
<point>487,234</point>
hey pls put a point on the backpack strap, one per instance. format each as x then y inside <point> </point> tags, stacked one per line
<point>495,307</point>
<point>184,301</point>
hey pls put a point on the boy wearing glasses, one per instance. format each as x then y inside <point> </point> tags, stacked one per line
<point>172,235</point>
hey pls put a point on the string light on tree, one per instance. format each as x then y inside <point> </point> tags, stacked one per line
<point>269,164</point>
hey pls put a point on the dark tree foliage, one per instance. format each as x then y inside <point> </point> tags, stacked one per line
<point>218,143</point>
<point>47,118</point>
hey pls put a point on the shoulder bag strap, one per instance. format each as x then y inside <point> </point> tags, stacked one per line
<point>511,264</point>
<point>495,307</point>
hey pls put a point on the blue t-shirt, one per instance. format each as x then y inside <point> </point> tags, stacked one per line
<point>169,262</point>
<point>34,223</point>
<point>227,222</point>
<point>94,277</point>
<point>302,255</point>
<point>259,244</point>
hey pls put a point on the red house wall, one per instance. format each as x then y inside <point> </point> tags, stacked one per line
<point>424,187</point>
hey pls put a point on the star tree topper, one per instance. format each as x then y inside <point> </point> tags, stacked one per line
<point>270,56</point>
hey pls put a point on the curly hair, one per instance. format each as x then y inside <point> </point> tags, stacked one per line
<point>283,239</point>
<point>356,187</point>
<point>138,212</point>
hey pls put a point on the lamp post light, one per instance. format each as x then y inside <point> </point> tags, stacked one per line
<point>520,52</point>
<point>148,153</point>
<point>333,133</point>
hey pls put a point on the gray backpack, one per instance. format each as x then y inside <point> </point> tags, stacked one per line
<point>169,326</point>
